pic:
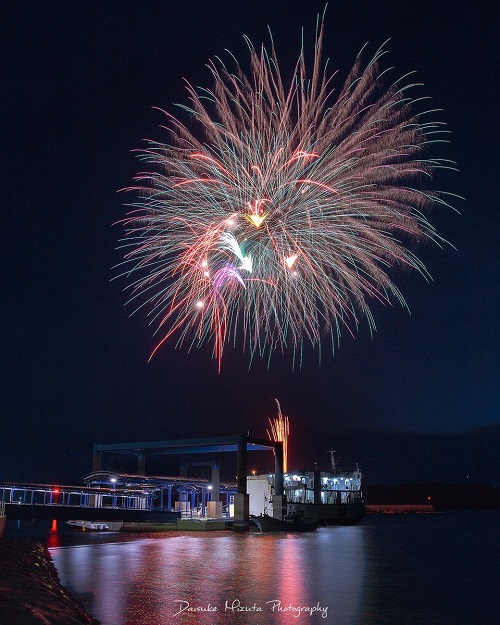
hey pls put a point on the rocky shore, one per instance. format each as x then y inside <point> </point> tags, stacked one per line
<point>30,590</point>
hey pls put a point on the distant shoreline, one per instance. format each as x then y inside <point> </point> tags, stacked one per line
<point>441,496</point>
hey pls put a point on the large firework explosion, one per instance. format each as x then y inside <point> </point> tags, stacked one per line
<point>280,211</point>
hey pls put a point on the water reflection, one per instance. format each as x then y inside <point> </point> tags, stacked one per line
<point>431,569</point>
<point>54,537</point>
<point>220,578</point>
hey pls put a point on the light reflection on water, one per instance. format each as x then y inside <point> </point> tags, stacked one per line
<point>148,580</point>
<point>389,570</point>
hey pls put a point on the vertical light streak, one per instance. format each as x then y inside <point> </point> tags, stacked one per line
<point>280,430</point>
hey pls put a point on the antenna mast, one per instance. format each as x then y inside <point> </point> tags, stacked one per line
<point>332,460</point>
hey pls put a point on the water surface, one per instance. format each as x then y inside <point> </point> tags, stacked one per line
<point>390,570</point>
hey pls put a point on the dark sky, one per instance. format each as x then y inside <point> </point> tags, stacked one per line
<point>419,400</point>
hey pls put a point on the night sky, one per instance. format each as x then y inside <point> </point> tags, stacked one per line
<point>418,401</point>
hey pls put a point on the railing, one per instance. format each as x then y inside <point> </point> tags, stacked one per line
<point>74,497</point>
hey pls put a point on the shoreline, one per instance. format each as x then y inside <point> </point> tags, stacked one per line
<point>30,590</point>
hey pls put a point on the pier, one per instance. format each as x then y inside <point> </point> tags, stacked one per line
<point>241,444</point>
<point>48,501</point>
<point>107,495</point>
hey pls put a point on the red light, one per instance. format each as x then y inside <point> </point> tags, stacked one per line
<point>55,491</point>
<point>428,498</point>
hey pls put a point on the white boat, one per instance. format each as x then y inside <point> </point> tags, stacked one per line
<point>328,497</point>
<point>96,526</point>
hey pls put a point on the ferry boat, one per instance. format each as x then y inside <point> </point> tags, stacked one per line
<point>327,497</point>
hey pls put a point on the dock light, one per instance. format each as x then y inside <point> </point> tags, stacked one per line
<point>210,487</point>
<point>55,491</point>
<point>254,472</point>
<point>113,480</point>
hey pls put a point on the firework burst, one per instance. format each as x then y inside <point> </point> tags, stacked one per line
<point>280,429</point>
<point>282,209</point>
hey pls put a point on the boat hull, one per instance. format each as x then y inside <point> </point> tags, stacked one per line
<point>330,514</point>
<point>267,523</point>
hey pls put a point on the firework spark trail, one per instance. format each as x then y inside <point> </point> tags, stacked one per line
<point>274,220</point>
<point>280,430</point>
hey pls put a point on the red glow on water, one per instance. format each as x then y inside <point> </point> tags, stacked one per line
<point>54,539</point>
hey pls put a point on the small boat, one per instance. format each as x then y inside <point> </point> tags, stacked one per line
<point>295,523</point>
<point>96,526</point>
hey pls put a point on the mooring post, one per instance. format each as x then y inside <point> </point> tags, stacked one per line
<point>241,505</point>
<point>279,499</point>
<point>215,482</point>
<point>214,505</point>
<point>317,485</point>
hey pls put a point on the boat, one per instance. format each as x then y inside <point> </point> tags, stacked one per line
<point>267,523</point>
<point>96,526</point>
<point>348,513</point>
<point>327,497</point>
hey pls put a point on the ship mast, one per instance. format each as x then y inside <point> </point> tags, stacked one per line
<point>332,461</point>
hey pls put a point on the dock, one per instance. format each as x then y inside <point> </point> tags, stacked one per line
<point>384,508</point>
